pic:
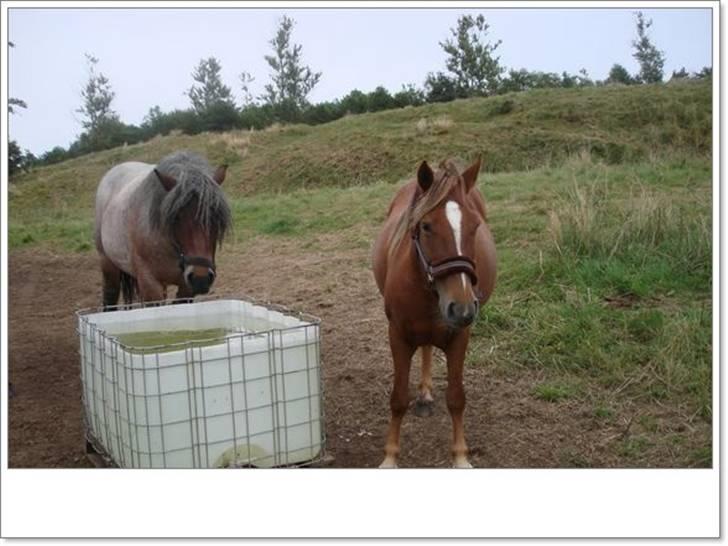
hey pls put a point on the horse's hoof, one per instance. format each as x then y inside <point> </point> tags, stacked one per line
<point>388,463</point>
<point>424,408</point>
<point>462,463</point>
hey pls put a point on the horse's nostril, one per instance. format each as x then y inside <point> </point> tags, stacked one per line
<point>451,310</point>
<point>210,277</point>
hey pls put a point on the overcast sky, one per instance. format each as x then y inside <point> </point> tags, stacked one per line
<point>149,54</point>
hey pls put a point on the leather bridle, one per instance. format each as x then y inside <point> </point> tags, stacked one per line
<point>445,267</point>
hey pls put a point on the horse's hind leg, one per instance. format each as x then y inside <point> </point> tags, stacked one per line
<point>424,403</point>
<point>111,282</point>
<point>402,354</point>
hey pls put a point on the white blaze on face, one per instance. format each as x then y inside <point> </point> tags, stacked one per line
<point>455,217</point>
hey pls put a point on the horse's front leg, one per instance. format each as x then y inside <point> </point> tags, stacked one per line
<point>424,403</point>
<point>150,289</point>
<point>111,283</point>
<point>184,294</point>
<point>402,355</point>
<point>455,397</point>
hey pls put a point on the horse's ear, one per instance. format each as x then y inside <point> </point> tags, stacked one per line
<point>167,181</point>
<point>219,175</point>
<point>470,175</point>
<point>425,176</point>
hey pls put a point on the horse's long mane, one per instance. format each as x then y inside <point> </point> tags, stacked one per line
<point>195,183</point>
<point>444,181</point>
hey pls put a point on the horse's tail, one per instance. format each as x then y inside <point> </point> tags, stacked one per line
<point>129,287</point>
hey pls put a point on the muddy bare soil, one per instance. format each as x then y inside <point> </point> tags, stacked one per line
<point>505,425</point>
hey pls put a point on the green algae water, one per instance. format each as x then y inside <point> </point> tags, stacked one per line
<point>162,340</point>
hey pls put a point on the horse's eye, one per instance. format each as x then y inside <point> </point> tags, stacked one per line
<point>427,228</point>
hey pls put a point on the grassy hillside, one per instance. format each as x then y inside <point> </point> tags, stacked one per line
<point>515,132</point>
<point>600,202</point>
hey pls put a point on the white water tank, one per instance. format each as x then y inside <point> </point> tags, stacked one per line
<point>242,389</point>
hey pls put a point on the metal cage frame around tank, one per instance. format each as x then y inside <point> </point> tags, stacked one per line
<point>110,445</point>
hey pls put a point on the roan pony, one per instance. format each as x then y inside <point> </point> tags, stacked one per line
<point>160,226</point>
<point>434,262</point>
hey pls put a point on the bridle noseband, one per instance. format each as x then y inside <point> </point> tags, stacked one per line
<point>443,268</point>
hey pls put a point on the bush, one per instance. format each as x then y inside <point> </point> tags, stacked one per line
<point>15,158</point>
<point>255,116</point>
<point>56,155</point>
<point>323,112</point>
<point>220,116</point>
<point>619,74</point>
<point>355,102</point>
<point>441,88</point>
<point>408,96</point>
<point>379,99</point>
<point>157,122</point>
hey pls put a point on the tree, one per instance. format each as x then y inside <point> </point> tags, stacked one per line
<point>245,80</point>
<point>517,80</point>
<point>17,159</point>
<point>408,96</point>
<point>619,74</point>
<point>379,99</point>
<point>97,96</point>
<point>650,59</point>
<point>706,72</point>
<point>475,71</point>
<point>13,102</point>
<point>56,155</point>
<point>681,74</point>
<point>291,81</point>
<point>441,88</point>
<point>355,102</point>
<point>210,91</point>
<point>583,79</point>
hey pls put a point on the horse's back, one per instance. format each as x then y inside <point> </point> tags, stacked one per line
<point>120,176</point>
<point>112,200</point>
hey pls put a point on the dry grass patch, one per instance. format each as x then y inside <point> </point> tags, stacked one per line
<point>439,125</point>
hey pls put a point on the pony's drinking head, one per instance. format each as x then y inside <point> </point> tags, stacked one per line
<point>189,208</point>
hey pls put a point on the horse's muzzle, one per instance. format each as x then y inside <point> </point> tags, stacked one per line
<point>200,284</point>
<point>461,315</point>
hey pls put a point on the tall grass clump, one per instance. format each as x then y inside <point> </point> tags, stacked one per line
<point>632,231</point>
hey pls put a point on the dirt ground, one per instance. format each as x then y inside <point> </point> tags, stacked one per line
<point>505,425</point>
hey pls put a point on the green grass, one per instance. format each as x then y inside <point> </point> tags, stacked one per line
<point>600,202</point>
<point>604,277</point>
<point>553,392</point>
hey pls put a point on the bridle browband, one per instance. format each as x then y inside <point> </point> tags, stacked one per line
<point>445,267</point>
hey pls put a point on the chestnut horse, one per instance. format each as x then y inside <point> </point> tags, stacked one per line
<point>160,226</point>
<point>434,262</point>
